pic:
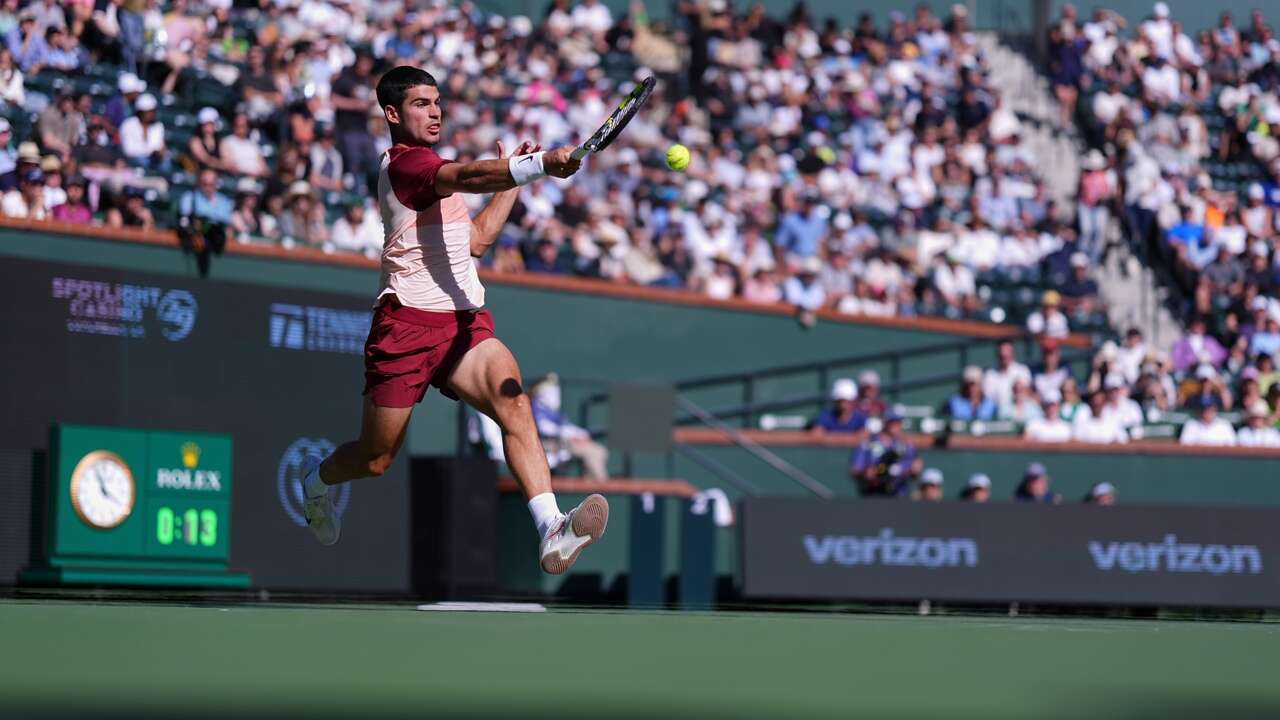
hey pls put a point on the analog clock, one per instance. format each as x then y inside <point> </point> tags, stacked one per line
<point>102,489</point>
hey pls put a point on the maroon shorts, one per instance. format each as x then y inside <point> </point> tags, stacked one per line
<point>409,350</point>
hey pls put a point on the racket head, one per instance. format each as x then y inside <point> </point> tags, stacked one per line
<point>618,120</point>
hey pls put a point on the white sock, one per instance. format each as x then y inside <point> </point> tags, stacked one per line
<point>312,485</point>
<point>545,512</point>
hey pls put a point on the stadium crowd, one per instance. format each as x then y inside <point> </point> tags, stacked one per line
<point>872,170</point>
<point>1183,127</point>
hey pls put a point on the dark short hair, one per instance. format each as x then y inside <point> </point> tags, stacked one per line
<point>395,84</point>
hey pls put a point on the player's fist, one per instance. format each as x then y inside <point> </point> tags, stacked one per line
<point>560,163</point>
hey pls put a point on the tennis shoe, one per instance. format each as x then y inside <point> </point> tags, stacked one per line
<point>320,512</point>
<point>574,532</point>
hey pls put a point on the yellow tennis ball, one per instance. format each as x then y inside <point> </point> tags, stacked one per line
<point>677,157</point>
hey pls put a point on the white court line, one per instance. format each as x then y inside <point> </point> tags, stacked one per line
<point>484,607</point>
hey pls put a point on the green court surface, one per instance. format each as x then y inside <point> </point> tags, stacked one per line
<point>75,659</point>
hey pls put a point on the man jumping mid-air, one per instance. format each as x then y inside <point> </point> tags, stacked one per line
<point>429,327</point>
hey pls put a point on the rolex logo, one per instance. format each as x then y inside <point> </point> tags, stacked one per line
<point>190,455</point>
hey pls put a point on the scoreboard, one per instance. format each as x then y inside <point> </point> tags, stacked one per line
<point>138,507</point>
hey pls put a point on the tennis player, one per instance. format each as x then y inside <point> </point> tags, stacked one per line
<point>430,326</point>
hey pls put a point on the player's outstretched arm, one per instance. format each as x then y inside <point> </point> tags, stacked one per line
<point>487,224</point>
<point>490,176</point>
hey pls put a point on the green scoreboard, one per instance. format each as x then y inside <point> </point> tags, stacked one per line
<point>137,507</point>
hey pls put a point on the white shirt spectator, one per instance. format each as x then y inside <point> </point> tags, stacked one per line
<point>1216,433</point>
<point>1164,82</point>
<point>954,281</point>
<point>1102,430</point>
<point>244,156</point>
<point>1053,429</point>
<point>1107,106</point>
<point>592,16</point>
<point>1126,412</point>
<point>1054,326</point>
<point>14,205</point>
<point>979,248</point>
<point>811,297</point>
<point>997,384</point>
<point>1265,436</point>
<point>365,238</point>
<point>139,142</point>
<point>1048,385</point>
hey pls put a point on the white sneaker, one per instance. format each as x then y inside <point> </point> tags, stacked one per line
<point>322,516</point>
<point>566,540</point>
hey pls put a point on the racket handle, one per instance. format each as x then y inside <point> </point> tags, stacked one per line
<point>579,153</point>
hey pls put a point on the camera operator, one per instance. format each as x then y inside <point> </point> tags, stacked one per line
<point>885,463</point>
<point>203,217</point>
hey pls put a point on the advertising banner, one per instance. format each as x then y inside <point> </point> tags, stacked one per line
<point>1010,552</point>
<point>278,370</point>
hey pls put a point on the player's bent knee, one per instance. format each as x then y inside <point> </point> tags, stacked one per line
<point>513,413</point>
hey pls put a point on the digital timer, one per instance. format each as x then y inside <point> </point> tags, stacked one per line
<point>190,527</point>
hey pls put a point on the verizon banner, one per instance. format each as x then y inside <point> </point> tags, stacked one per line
<point>1006,552</point>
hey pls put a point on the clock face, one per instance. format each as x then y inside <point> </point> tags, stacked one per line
<point>102,489</point>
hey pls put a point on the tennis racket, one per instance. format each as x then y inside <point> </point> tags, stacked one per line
<point>612,127</point>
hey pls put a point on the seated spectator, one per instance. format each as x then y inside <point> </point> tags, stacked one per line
<point>954,282</point>
<point>65,53</point>
<point>54,193</point>
<point>1103,493</point>
<point>1206,428</point>
<point>246,219</point>
<point>885,463</point>
<point>8,151</point>
<point>120,107</point>
<point>843,416</point>
<point>27,44</point>
<point>28,200</point>
<point>205,201</point>
<point>1022,406</point>
<point>969,403</point>
<point>1131,355</point>
<point>545,259</point>
<point>1205,386</point>
<point>1188,240</point>
<point>326,161</point>
<point>1049,320</point>
<point>1035,487</point>
<point>300,222</point>
<point>241,154</point>
<point>1224,275</point>
<point>133,214</point>
<point>804,289</point>
<point>1049,427</point>
<point>202,148</point>
<point>1093,424</point>
<point>1079,292</point>
<point>76,208</point>
<point>1126,411</point>
<point>12,92</point>
<point>61,125</point>
<point>998,382</point>
<point>561,437</point>
<point>1071,400</point>
<point>930,487</point>
<point>1051,374</point>
<point>977,489</point>
<point>142,137</point>
<point>1197,347</point>
<point>1257,430</point>
<point>1267,340</point>
<point>869,400</point>
<point>762,287</point>
<point>358,231</point>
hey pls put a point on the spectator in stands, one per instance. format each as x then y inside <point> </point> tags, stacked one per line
<point>133,214</point>
<point>885,463</point>
<point>1049,320</point>
<point>28,200</point>
<point>240,153</point>
<point>326,161</point>
<point>12,92</point>
<point>202,148</point>
<point>1022,406</point>
<point>1197,347</point>
<point>1093,424</point>
<point>1131,355</point>
<point>1072,403</point>
<point>54,193</point>
<point>1103,493</point>
<point>351,97</point>
<point>1127,412</point>
<point>76,209</point>
<point>1051,373</point>
<point>1079,292</point>
<point>27,43</point>
<point>142,137</point>
<point>1266,341</point>
<point>1096,190</point>
<point>1035,486</point>
<point>1206,385</point>
<point>65,53</point>
<point>205,215</point>
<point>804,290</point>
<point>998,382</point>
<point>358,231</point>
<point>61,125</point>
<point>870,402</point>
<point>1049,427</point>
<point>1207,428</point>
<point>930,487</point>
<point>301,222</point>
<point>977,489</point>
<point>246,219</point>
<point>1257,430</point>
<point>8,152</point>
<point>802,226</point>
<point>1188,240</point>
<point>1224,275</point>
<point>843,416</point>
<point>545,258</point>
<point>969,403</point>
<point>955,282</point>
<point>120,106</point>
<point>561,437</point>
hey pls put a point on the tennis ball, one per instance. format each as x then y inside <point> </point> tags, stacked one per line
<point>677,157</point>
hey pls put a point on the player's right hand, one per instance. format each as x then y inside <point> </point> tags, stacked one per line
<point>560,163</point>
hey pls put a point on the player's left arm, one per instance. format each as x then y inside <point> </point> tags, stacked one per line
<point>487,224</point>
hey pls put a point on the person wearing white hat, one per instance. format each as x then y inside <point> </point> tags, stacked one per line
<point>1097,187</point>
<point>1207,428</point>
<point>1103,493</point>
<point>843,416</point>
<point>804,289</point>
<point>869,400</point>
<point>8,153</point>
<point>1158,31</point>
<point>977,489</point>
<point>1258,431</point>
<point>119,107</point>
<point>202,148</point>
<point>1256,215</point>
<point>142,136</point>
<point>930,486</point>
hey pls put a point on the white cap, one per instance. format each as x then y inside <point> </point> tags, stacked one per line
<point>1259,408</point>
<point>1113,381</point>
<point>844,389</point>
<point>978,480</point>
<point>207,115</point>
<point>972,373</point>
<point>1205,371</point>
<point>931,476</point>
<point>811,266</point>
<point>1160,10</point>
<point>4,126</point>
<point>1102,488</point>
<point>145,102</point>
<point>1079,259</point>
<point>1256,192</point>
<point>869,377</point>
<point>130,83</point>
<point>1259,247</point>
